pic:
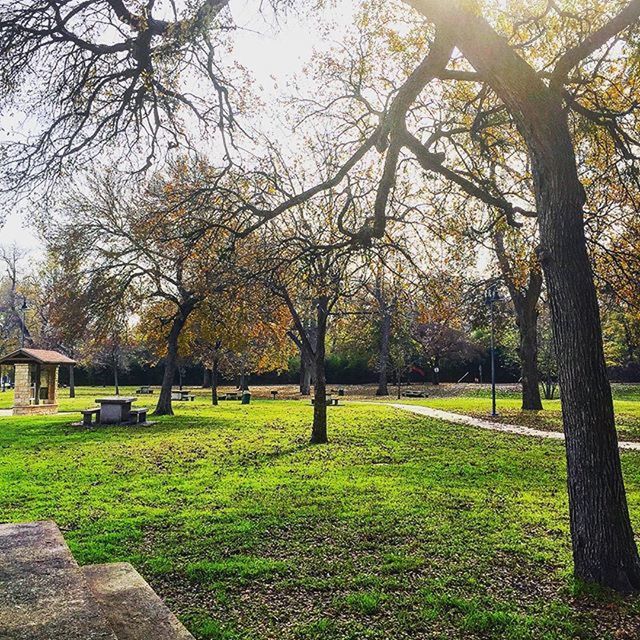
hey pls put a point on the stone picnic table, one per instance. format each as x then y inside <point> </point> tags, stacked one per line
<point>115,409</point>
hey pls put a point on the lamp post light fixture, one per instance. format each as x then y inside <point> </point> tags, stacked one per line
<point>491,296</point>
<point>24,318</point>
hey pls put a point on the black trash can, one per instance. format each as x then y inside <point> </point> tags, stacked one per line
<point>246,397</point>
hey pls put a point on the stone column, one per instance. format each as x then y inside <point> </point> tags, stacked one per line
<point>22,391</point>
<point>53,384</point>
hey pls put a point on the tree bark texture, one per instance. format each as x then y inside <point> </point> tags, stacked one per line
<point>72,381</point>
<point>525,303</point>
<point>164,407</point>
<point>214,382</point>
<point>305,375</point>
<point>383,361</point>
<point>604,550</point>
<point>528,352</point>
<point>319,428</point>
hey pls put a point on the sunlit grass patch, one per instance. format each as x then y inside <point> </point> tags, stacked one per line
<point>398,528</point>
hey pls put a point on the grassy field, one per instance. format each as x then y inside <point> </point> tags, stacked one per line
<point>478,404</point>
<point>401,527</point>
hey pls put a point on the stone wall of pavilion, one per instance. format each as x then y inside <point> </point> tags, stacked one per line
<point>22,390</point>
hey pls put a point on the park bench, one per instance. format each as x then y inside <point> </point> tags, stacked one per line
<point>339,392</point>
<point>144,391</point>
<point>329,401</point>
<point>87,416</point>
<point>230,395</point>
<point>415,394</point>
<point>138,416</point>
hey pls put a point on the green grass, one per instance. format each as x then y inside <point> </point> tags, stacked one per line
<point>627,411</point>
<point>402,527</point>
<point>621,391</point>
<point>86,397</point>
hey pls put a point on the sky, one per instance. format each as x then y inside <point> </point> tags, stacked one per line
<point>274,52</point>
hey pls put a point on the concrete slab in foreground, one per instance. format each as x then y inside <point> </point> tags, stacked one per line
<point>132,607</point>
<point>43,595</point>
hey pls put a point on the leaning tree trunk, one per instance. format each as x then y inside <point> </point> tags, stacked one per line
<point>72,381</point>
<point>528,352</point>
<point>604,549</point>
<point>164,408</point>
<point>383,362</point>
<point>319,429</point>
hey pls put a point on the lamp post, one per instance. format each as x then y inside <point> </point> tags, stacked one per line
<point>491,296</point>
<point>24,318</point>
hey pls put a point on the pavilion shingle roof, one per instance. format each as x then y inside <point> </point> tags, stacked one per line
<point>39,356</point>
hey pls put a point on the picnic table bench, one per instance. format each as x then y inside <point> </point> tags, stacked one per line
<point>274,393</point>
<point>330,401</point>
<point>114,410</point>
<point>339,392</point>
<point>87,416</point>
<point>230,395</point>
<point>138,416</point>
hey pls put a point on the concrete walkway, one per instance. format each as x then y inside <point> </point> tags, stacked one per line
<point>458,418</point>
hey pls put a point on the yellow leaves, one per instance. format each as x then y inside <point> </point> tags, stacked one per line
<point>250,324</point>
<point>472,6</point>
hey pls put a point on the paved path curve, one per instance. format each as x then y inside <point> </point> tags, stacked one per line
<point>458,418</point>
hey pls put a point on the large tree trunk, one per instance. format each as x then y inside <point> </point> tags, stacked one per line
<point>528,351</point>
<point>319,429</point>
<point>72,381</point>
<point>604,550</point>
<point>383,362</point>
<point>164,408</point>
